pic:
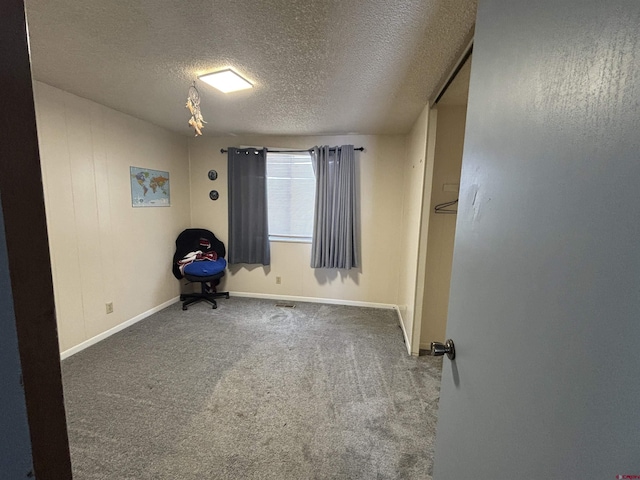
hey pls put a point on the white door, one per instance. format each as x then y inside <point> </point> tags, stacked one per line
<point>545,294</point>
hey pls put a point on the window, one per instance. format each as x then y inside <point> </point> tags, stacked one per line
<point>291,190</point>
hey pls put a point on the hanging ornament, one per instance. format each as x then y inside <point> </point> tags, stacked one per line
<point>193,104</point>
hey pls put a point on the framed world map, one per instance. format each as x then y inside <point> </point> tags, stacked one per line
<point>149,188</point>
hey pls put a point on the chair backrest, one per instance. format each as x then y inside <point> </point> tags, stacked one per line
<point>193,239</point>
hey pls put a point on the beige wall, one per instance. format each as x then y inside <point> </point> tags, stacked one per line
<point>102,249</point>
<point>381,186</point>
<point>446,171</point>
<point>413,170</point>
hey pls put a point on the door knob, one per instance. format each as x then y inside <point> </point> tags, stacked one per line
<point>438,349</point>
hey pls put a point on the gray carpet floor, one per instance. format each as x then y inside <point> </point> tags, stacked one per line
<point>253,391</point>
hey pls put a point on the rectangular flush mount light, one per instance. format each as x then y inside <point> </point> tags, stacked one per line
<point>226,81</point>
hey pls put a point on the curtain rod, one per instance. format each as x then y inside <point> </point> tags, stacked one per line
<point>359,149</point>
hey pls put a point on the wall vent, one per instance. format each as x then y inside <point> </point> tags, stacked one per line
<point>286,305</point>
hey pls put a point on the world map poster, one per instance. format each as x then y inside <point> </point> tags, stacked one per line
<point>149,188</point>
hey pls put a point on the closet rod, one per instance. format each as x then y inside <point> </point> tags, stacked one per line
<point>360,149</point>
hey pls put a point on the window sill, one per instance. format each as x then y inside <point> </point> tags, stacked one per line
<point>276,238</point>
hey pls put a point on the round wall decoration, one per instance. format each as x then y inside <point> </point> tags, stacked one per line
<point>212,174</point>
<point>213,195</point>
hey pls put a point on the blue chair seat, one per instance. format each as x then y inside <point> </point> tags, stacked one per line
<point>205,268</point>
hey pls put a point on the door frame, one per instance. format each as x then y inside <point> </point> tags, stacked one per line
<point>28,252</point>
<point>421,271</point>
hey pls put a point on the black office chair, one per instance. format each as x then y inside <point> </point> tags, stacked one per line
<point>206,268</point>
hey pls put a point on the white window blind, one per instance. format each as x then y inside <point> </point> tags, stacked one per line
<point>291,189</point>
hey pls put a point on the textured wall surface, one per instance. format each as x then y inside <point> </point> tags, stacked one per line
<point>319,67</point>
<point>544,302</point>
<point>380,186</point>
<point>102,249</point>
<point>413,173</point>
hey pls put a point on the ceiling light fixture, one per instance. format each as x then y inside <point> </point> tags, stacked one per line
<point>226,81</point>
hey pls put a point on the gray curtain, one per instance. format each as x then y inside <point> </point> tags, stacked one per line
<point>248,221</point>
<point>334,243</point>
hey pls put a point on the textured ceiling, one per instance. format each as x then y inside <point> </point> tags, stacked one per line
<point>318,66</point>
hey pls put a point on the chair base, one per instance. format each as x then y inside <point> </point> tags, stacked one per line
<point>191,298</point>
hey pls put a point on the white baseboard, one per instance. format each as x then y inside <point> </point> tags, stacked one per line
<point>331,301</point>
<point>291,298</point>
<point>404,331</point>
<point>116,329</point>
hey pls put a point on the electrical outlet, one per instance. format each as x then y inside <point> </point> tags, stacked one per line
<point>278,280</point>
<point>109,307</point>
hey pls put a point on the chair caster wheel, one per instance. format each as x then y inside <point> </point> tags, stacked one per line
<point>214,307</point>
<point>184,308</point>
<point>227,296</point>
<point>182,298</point>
